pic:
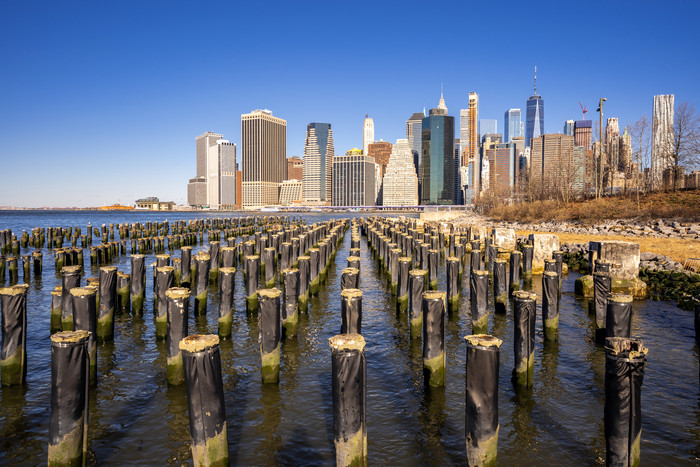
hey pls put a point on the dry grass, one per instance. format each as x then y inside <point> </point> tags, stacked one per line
<point>682,206</point>
<point>676,248</point>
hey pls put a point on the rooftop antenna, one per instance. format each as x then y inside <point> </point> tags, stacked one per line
<point>535,79</point>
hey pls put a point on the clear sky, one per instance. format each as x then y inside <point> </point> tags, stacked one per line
<point>101,101</point>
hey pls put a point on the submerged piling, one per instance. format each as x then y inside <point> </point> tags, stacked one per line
<point>481,420</point>
<point>524,316</point>
<point>618,316</point>
<point>205,398</point>
<point>453,285</point>
<point>123,290</point>
<point>434,358</point>
<point>351,311</point>
<point>349,373</point>
<point>203,261</point>
<point>138,282</point>
<point>226,305</point>
<point>70,277</point>
<point>514,279</point>
<point>602,285</point>
<point>270,333</point>
<point>178,303</point>
<point>303,263</point>
<point>479,294</point>
<point>500,285</point>
<point>69,398</point>
<point>13,360</point>
<point>252,271</point>
<point>625,364</point>
<point>433,258</point>
<point>350,279</point>
<point>550,305</point>
<point>165,279</point>
<point>108,300</point>
<point>56,309</point>
<point>290,310</point>
<point>85,319</point>
<point>416,289</point>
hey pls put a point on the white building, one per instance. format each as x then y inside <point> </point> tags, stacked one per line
<point>215,183</point>
<point>367,134</point>
<point>662,138</point>
<point>318,164</point>
<point>353,179</point>
<point>400,180</point>
<point>290,192</point>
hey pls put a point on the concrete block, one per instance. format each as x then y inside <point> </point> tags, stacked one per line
<point>504,238</point>
<point>542,247</point>
<point>624,257</point>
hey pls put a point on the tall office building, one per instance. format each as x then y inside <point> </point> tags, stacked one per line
<point>662,138</point>
<point>501,168</point>
<point>215,183</point>
<point>380,151</point>
<point>318,164</point>
<point>488,126</point>
<point>400,185</point>
<point>569,128</point>
<point>612,142</point>
<point>552,166</point>
<point>534,120</point>
<point>264,161</point>
<point>367,133</point>
<point>582,134</point>
<point>512,125</point>
<point>437,158</point>
<point>353,179</point>
<point>414,126</point>
<point>469,147</point>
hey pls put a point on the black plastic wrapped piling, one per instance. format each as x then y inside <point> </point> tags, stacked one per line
<point>69,398</point>
<point>201,283</point>
<point>500,284</point>
<point>550,305</point>
<point>185,266</point>
<point>107,303</point>
<point>270,333</point>
<point>177,303</point>
<point>303,263</point>
<point>351,311</point>
<point>354,262</point>
<point>252,272</point>
<point>434,358</point>
<point>697,322</point>
<point>138,282</point>
<point>314,280</point>
<point>3,267</point>
<point>618,317</point>
<point>349,373</point>
<point>558,257</point>
<point>13,359</point>
<point>404,266</point>
<point>70,277</point>
<point>268,266</point>
<point>479,297</point>
<point>85,319</point>
<point>394,254</point>
<point>527,262</point>
<point>12,270</point>
<point>475,261</point>
<point>350,279</point>
<point>226,305</point>
<point>56,299</point>
<point>524,316</point>
<point>290,308</point>
<point>514,273</point>
<point>26,268</point>
<point>602,286</point>
<point>416,288</point>
<point>625,364</point>
<point>433,258</point>
<point>453,283</point>
<point>214,260</point>
<point>481,408</point>
<point>285,256</point>
<point>123,291</point>
<point>205,398</point>
<point>228,257</point>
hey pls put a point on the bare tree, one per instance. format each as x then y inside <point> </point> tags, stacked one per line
<point>641,146</point>
<point>686,139</point>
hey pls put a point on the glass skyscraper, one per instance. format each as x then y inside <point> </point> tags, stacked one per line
<point>437,168</point>
<point>512,125</point>
<point>534,121</point>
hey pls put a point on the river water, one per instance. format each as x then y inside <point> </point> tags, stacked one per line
<point>136,418</point>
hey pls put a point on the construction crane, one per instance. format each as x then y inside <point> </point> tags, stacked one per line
<point>584,110</point>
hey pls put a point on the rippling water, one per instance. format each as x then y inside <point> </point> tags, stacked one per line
<point>136,418</point>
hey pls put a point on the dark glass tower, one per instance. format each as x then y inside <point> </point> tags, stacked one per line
<point>437,167</point>
<point>534,119</point>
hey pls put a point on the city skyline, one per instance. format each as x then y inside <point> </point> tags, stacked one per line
<point>135,100</point>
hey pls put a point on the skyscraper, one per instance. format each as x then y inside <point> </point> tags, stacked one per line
<point>662,138</point>
<point>353,179</point>
<point>318,163</point>
<point>552,168</point>
<point>367,133</point>
<point>414,125</point>
<point>437,158</point>
<point>569,128</point>
<point>582,133</point>
<point>215,183</point>
<point>400,185</point>
<point>264,144</point>
<point>512,125</point>
<point>612,142</point>
<point>534,121</point>
<point>488,126</point>
<point>469,146</point>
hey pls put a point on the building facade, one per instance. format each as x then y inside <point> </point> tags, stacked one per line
<point>414,125</point>
<point>534,120</point>
<point>290,192</point>
<point>367,133</point>
<point>469,147</point>
<point>488,126</point>
<point>582,134</point>
<point>661,138</point>
<point>214,184</point>
<point>437,159</point>
<point>295,168</point>
<point>552,168</point>
<point>264,159</point>
<point>400,185</point>
<point>512,125</point>
<point>318,164</point>
<point>569,128</point>
<point>353,179</point>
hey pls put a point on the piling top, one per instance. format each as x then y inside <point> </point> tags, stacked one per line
<point>353,258</point>
<point>550,273</point>
<point>524,295</point>
<point>68,337</point>
<point>139,256</point>
<point>620,298</point>
<point>286,271</point>
<point>58,292</point>
<point>417,272</point>
<point>227,270</point>
<point>347,342</point>
<point>480,273</point>
<point>164,256</point>
<point>483,340</point>
<point>199,342</point>
<point>434,295</point>
<point>93,280</point>
<point>452,258</point>
<point>108,269</point>
<point>351,271</point>
<point>314,249</point>
<point>202,256</point>
<point>624,345</point>
<point>184,247</point>
<point>165,269</point>
<point>601,273</point>
<point>177,292</point>
<point>527,245</point>
<point>252,257</point>
<point>351,293</point>
<point>269,293</point>
<point>122,274</point>
<point>228,248</point>
<point>71,269</point>
<point>83,291</point>
<point>13,290</point>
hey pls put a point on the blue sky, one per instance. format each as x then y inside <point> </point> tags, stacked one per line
<point>101,101</point>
